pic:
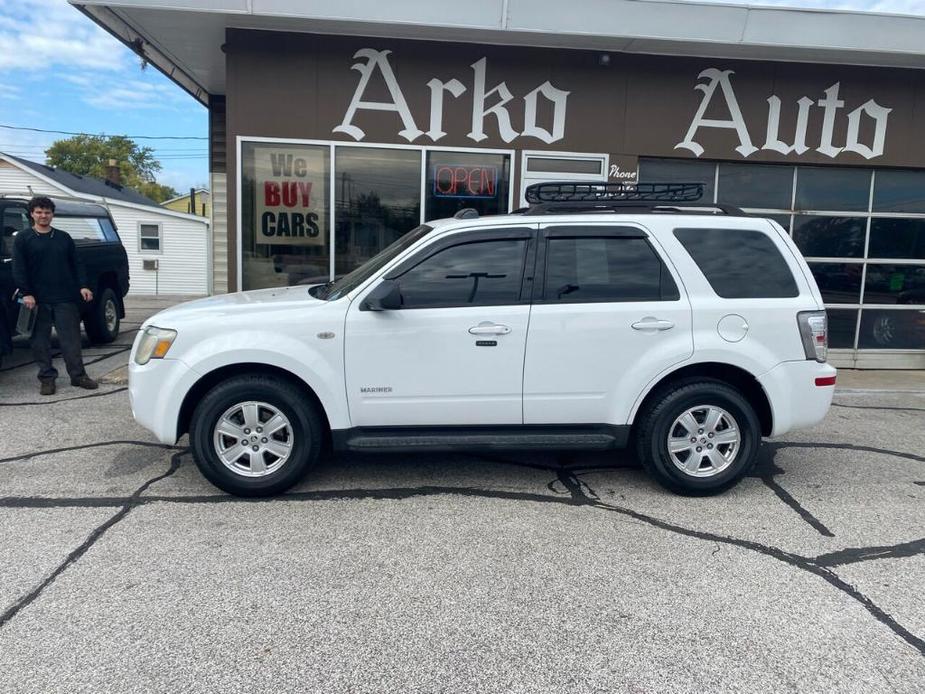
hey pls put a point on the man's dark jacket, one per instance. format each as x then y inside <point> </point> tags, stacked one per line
<point>47,266</point>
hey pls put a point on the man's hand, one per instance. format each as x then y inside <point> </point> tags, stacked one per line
<point>29,301</point>
<point>86,294</point>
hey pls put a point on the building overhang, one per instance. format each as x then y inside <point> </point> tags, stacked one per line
<point>184,38</point>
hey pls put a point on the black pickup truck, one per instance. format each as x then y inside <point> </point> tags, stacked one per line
<point>100,249</point>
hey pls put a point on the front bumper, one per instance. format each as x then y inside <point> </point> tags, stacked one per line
<point>156,392</point>
<point>796,401</point>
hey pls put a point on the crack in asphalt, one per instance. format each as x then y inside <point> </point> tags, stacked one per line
<point>768,470</point>
<point>52,402</point>
<point>95,535</point>
<point>577,493</point>
<point>853,555</point>
<point>84,446</point>
<point>875,407</point>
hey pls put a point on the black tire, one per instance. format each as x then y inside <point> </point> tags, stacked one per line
<point>102,321</point>
<point>656,424</point>
<point>306,434</point>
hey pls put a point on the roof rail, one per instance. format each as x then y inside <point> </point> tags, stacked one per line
<point>598,196</point>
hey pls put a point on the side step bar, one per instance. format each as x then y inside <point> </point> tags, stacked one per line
<point>519,438</point>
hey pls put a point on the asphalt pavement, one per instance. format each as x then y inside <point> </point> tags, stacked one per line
<point>123,570</point>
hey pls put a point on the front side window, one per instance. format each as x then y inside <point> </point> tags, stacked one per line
<point>15,219</point>
<point>485,273</point>
<point>739,263</point>
<point>595,269</point>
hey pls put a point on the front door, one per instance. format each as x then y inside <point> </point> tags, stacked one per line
<point>608,317</point>
<point>453,354</point>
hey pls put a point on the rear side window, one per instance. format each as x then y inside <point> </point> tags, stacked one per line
<point>599,269</point>
<point>739,263</point>
<point>81,228</point>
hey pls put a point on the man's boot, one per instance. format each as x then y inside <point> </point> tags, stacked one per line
<point>85,382</point>
<point>48,386</point>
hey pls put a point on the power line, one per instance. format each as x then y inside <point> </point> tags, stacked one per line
<point>131,137</point>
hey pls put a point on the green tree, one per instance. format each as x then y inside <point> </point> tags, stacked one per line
<point>89,155</point>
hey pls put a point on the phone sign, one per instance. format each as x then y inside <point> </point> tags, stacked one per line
<point>465,181</point>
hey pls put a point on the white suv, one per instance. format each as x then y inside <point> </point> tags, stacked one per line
<point>602,315</point>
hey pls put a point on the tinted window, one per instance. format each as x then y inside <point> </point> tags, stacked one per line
<point>832,189</point>
<point>756,185</point>
<point>899,191</point>
<point>680,171</point>
<point>842,324</point>
<point>886,329</point>
<point>739,263</point>
<point>897,238</point>
<point>15,219</point>
<point>829,237</point>
<point>894,284</point>
<point>840,283</point>
<point>487,273</point>
<point>582,270</point>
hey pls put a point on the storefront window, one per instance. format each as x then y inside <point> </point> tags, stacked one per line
<point>840,283</point>
<point>830,237</point>
<point>377,199</point>
<point>897,238</point>
<point>822,188</point>
<point>680,171</point>
<point>891,329</point>
<point>761,186</point>
<point>285,220</point>
<point>899,191</point>
<point>842,325</point>
<point>894,284</point>
<point>456,180</point>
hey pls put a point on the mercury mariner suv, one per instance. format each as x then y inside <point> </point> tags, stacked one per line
<point>602,316</point>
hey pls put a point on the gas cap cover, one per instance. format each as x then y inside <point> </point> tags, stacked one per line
<point>732,328</point>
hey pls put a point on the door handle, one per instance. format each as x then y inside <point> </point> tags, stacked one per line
<point>650,324</point>
<point>489,328</point>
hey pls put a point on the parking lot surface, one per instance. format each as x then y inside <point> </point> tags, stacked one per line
<point>122,569</point>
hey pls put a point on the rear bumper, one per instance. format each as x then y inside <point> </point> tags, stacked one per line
<point>796,401</point>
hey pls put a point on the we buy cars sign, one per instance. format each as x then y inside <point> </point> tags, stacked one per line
<point>290,193</point>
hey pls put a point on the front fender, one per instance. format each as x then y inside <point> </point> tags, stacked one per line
<point>320,366</point>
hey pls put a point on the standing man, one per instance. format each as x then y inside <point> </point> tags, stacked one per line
<point>51,277</point>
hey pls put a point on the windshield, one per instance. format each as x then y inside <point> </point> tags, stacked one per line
<point>349,282</point>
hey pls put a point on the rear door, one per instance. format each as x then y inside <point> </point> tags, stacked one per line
<point>609,314</point>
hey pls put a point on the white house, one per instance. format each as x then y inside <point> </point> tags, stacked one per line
<point>178,242</point>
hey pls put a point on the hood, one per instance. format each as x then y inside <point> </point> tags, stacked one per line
<point>255,301</point>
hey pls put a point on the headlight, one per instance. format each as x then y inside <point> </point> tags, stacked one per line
<point>154,344</point>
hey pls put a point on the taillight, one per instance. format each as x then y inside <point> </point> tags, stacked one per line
<point>814,330</point>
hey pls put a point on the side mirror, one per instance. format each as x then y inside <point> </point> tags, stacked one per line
<point>385,297</point>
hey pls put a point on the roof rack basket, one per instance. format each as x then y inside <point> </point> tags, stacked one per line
<point>539,193</point>
<point>600,196</point>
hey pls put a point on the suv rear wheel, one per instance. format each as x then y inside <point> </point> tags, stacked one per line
<point>699,438</point>
<point>255,435</point>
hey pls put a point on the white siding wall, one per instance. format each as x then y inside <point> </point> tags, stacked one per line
<point>219,234</point>
<point>182,262</point>
<point>15,180</point>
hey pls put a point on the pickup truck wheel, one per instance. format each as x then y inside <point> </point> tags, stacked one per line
<point>699,438</point>
<point>255,435</point>
<point>102,321</point>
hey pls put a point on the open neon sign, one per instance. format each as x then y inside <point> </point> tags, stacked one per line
<point>465,181</point>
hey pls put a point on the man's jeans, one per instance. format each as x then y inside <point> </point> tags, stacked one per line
<point>66,319</point>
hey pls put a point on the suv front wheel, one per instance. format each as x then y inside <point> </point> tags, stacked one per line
<point>699,438</point>
<point>255,435</point>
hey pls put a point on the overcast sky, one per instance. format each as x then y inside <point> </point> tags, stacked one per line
<point>59,71</point>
